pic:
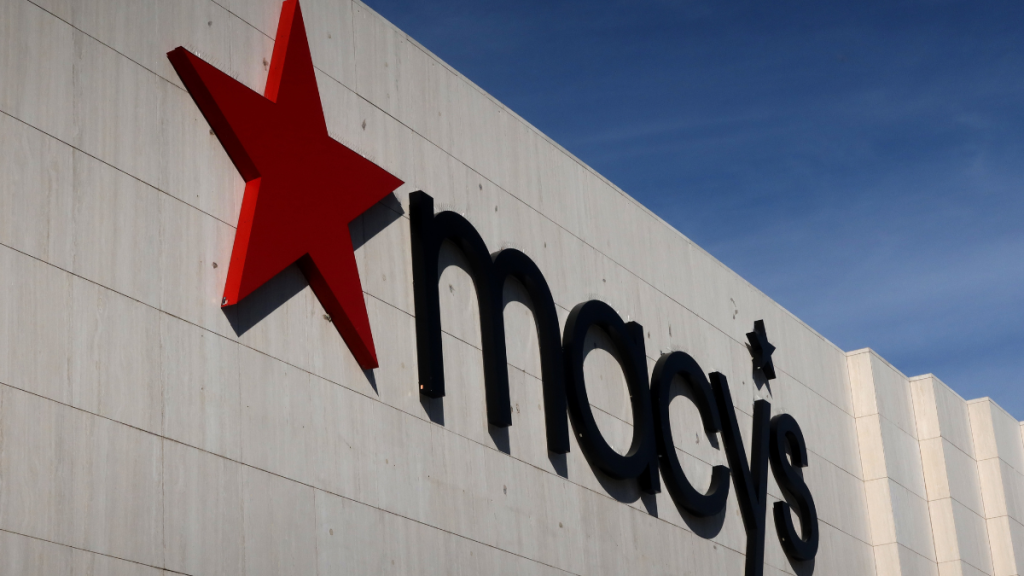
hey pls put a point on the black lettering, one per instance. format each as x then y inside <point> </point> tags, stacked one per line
<point>786,433</point>
<point>640,461</point>
<point>489,275</point>
<point>679,487</point>
<point>751,481</point>
<point>562,357</point>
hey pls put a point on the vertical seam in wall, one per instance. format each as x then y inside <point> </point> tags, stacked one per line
<point>69,281</point>
<point>316,535</point>
<point>874,557</point>
<point>887,478</point>
<point>162,370</point>
<point>981,492</point>
<point>920,460</point>
<point>951,497</point>
<point>241,470</point>
<point>881,438</point>
<point>860,454</point>
<point>163,503</point>
<point>355,57</point>
<point>3,448</point>
<point>876,548</point>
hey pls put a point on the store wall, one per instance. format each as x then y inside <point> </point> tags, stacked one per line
<point>144,429</point>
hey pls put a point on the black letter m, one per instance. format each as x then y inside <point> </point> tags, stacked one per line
<point>489,274</point>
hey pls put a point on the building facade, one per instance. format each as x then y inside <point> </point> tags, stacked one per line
<point>147,429</point>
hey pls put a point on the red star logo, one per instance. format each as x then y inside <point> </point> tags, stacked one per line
<point>303,188</point>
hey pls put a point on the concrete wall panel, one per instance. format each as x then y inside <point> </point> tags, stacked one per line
<point>958,568</point>
<point>996,433</point>
<point>203,523</point>
<point>37,223</point>
<point>1006,536</point>
<point>144,429</point>
<point>279,525</point>
<point>941,412</point>
<point>115,361</point>
<point>277,416</point>
<point>33,557</point>
<point>43,95</point>
<point>74,478</point>
<point>36,314</point>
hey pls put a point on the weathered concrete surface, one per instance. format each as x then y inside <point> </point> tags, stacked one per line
<point>143,429</point>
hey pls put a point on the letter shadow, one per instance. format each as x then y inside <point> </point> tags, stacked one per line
<point>706,528</point>
<point>560,462</point>
<point>266,299</point>
<point>625,491</point>
<point>801,567</point>
<point>500,438</point>
<point>433,408</point>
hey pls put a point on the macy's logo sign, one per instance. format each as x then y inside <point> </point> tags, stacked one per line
<point>303,188</point>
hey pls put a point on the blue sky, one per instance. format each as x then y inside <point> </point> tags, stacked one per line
<point>862,163</point>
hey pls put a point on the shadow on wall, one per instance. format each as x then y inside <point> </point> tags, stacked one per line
<point>802,568</point>
<point>706,528</point>
<point>279,290</point>
<point>760,380</point>
<point>433,408</point>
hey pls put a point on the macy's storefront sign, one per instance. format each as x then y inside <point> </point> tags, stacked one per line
<point>303,188</point>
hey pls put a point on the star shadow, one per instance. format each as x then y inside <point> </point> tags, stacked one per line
<point>760,380</point>
<point>266,299</point>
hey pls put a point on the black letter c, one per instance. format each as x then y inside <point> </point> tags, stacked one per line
<point>684,494</point>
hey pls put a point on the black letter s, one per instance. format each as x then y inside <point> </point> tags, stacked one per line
<point>785,431</point>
